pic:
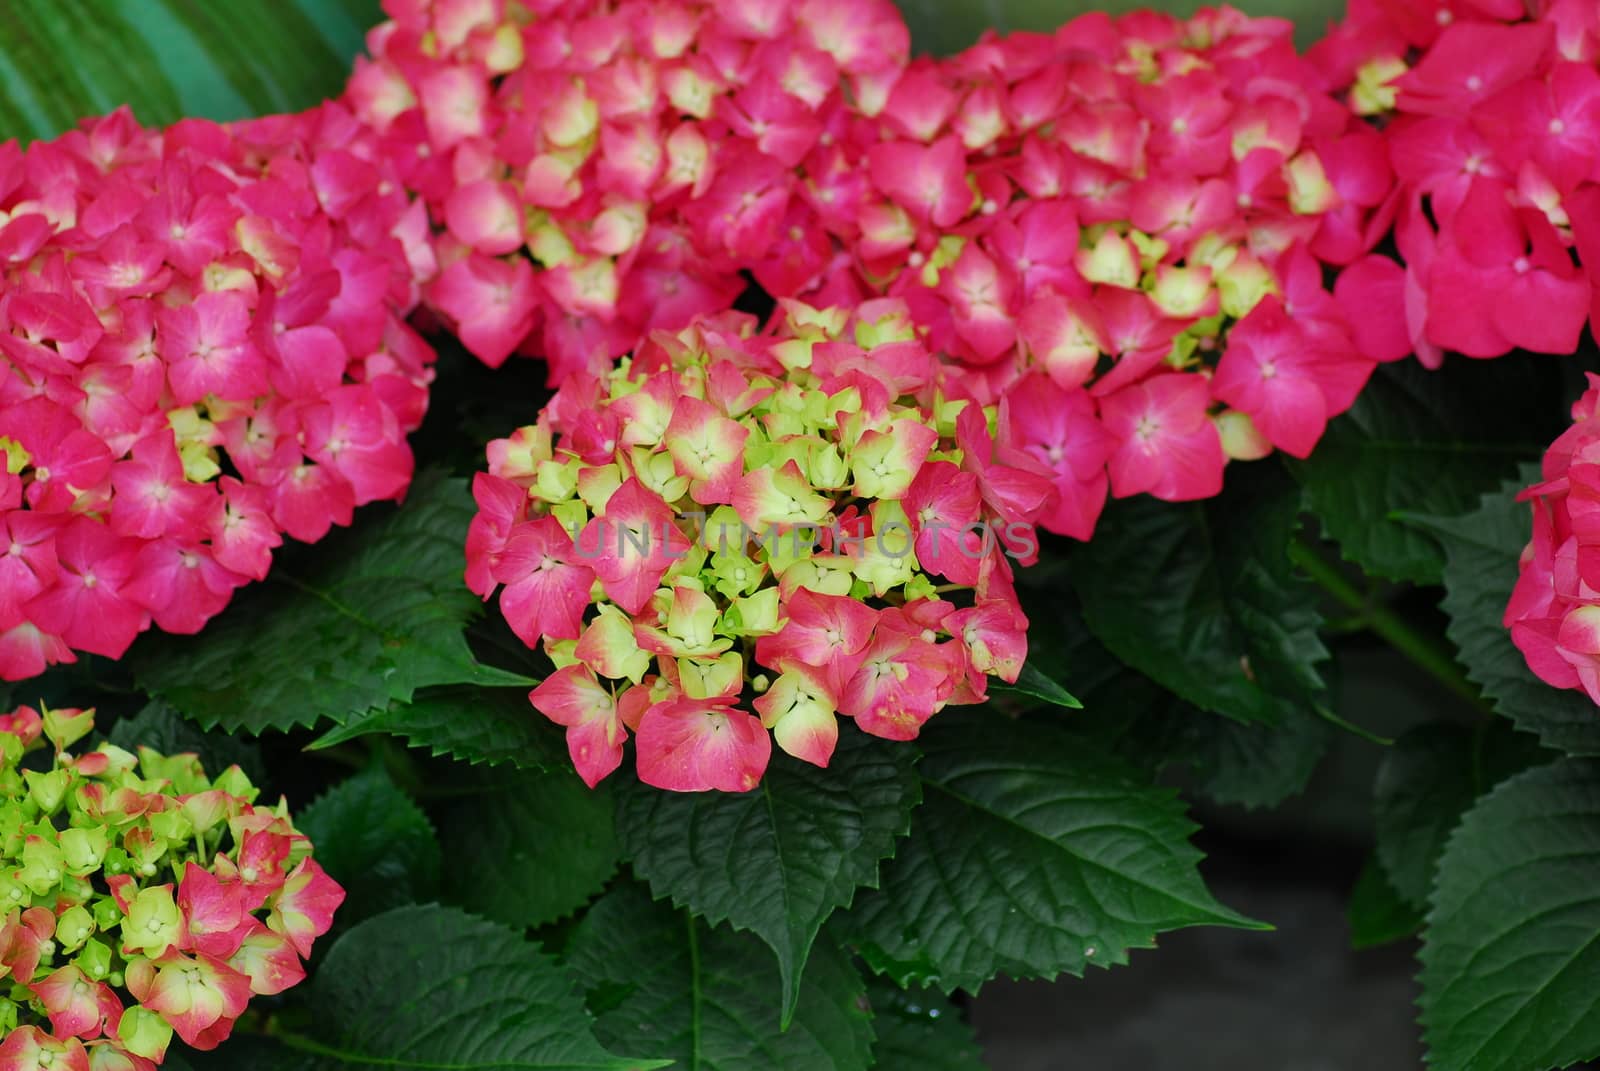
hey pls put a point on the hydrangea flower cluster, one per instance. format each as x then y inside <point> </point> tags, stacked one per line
<point>139,898</point>
<point>1122,227</point>
<point>801,517</point>
<point>1554,613</point>
<point>202,348</point>
<point>1079,218</point>
<point>1491,111</point>
<point>641,152</point>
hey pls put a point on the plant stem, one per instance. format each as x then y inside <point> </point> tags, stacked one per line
<point>1420,649</point>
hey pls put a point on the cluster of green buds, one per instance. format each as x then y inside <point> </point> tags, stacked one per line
<point>138,898</point>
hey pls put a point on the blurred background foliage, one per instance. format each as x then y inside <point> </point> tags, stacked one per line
<point>941,26</point>
<point>220,59</point>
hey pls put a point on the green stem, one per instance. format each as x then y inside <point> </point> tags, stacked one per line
<point>694,991</point>
<point>1421,650</point>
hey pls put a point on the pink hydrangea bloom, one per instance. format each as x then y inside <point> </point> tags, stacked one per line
<point>174,305</point>
<point>1491,113</point>
<point>1554,612</point>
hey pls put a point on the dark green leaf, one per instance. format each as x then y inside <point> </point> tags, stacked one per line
<point>663,983</point>
<point>1036,684</point>
<point>1127,713</point>
<point>1202,598</point>
<point>493,726</point>
<point>64,59</point>
<point>1511,956</point>
<point>1482,549</point>
<point>1253,766</point>
<point>375,842</point>
<point>531,852</point>
<point>382,615</point>
<point>1426,442</point>
<point>1376,913</point>
<point>920,1029</point>
<point>779,859</point>
<point>1425,782</point>
<point>432,988</point>
<point>1032,855</point>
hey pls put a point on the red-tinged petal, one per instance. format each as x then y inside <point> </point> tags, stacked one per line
<point>486,216</point>
<point>631,545</point>
<point>455,104</point>
<point>1460,307</point>
<point>27,1048</point>
<point>902,681</point>
<point>193,994</point>
<point>708,448</point>
<point>303,909</point>
<point>944,507</point>
<point>765,497</point>
<point>268,959</point>
<point>687,746</point>
<point>1540,311</point>
<point>1167,445</point>
<point>1265,372</point>
<point>829,631</point>
<point>1372,294</point>
<point>799,709</point>
<point>929,182</point>
<point>1470,62</point>
<point>310,499</point>
<point>213,913</point>
<point>70,1000</point>
<point>573,697</point>
<point>492,302</point>
<point>548,600</point>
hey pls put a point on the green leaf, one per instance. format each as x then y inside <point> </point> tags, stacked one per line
<point>1203,599</point>
<point>160,727</point>
<point>1252,766</point>
<point>1035,683</point>
<point>382,614</point>
<point>375,842</point>
<point>777,860</point>
<point>1425,782</point>
<point>1032,855</point>
<point>475,725</point>
<point>1425,441</point>
<point>1127,713</point>
<point>434,988</point>
<point>531,852</point>
<point>1511,956</point>
<point>920,1029</point>
<point>1376,913</point>
<point>64,59</point>
<point>662,982</point>
<point>1482,549</point>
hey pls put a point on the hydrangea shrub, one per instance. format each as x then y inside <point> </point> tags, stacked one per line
<point>910,390</point>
